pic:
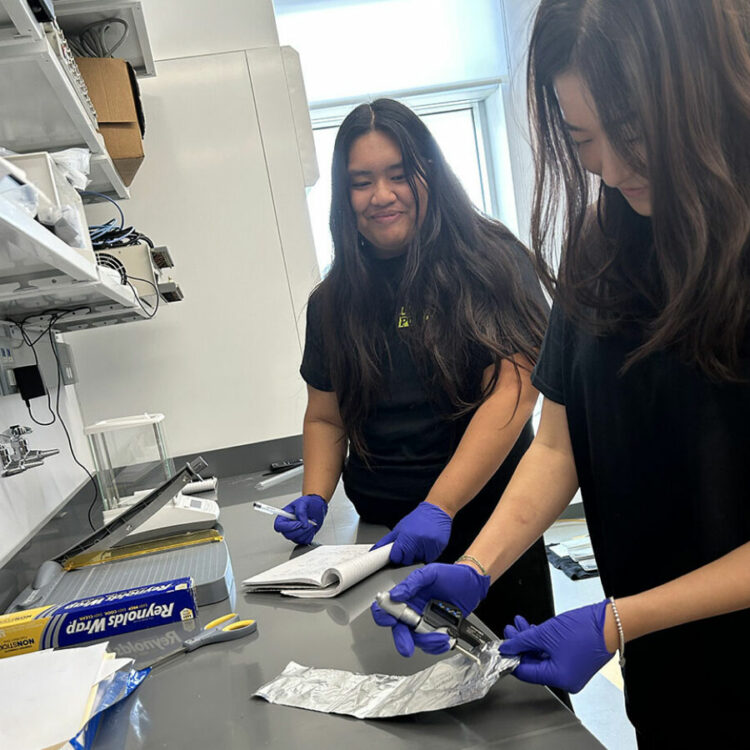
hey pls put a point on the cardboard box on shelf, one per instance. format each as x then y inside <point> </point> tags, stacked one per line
<point>113,89</point>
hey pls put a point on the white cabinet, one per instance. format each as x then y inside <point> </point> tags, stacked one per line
<point>224,182</point>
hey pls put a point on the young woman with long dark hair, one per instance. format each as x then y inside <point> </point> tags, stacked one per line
<point>645,368</point>
<point>419,348</point>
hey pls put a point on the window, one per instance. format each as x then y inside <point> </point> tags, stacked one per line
<point>456,132</point>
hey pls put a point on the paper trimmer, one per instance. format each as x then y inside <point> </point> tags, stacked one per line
<point>92,566</point>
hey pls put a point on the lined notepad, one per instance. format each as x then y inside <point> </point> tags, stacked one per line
<point>323,572</point>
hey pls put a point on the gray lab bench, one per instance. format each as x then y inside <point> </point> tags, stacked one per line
<point>203,699</point>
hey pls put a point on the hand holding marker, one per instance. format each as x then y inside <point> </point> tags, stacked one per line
<point>272,510</point>
<point>301,519</point>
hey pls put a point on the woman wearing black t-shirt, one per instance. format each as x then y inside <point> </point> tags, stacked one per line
<point>645,368</point>
<point>419,349</point>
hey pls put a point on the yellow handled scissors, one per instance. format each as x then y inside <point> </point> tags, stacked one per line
<point>225,628</point>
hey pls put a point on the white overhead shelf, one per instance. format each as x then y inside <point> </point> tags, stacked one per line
<point>105,179</point>
<point>41,109</point>
<point>54,117</point>
<point>17,24</point>
<point>39,273</point>
<point>51,116</point>
<point>74,15</point>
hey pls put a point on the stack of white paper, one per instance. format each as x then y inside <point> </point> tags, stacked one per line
<point>47,696</point>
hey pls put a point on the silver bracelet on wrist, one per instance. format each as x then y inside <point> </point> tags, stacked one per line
<point>620,632</point>
<point>475,561</point>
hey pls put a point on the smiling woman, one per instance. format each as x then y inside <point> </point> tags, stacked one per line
<point>455,131</point>
<point>419,347</point>
<point>388,214</point>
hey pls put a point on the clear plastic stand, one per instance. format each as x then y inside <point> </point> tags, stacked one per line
<point>130,456</point>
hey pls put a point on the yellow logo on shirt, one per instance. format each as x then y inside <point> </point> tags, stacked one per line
<point>404,321</point>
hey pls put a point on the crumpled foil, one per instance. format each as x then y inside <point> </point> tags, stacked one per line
<point>447,683</point>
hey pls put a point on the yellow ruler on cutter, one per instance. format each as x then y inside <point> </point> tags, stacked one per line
<point>188,539</point>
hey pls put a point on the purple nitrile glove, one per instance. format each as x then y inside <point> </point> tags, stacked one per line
<point>460,585</point>
<point>419,536</point>
<point>563,652</point>
<point>305,508</point>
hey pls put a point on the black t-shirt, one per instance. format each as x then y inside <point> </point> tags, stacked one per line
<point>409,434</point>
<point>661,454</point>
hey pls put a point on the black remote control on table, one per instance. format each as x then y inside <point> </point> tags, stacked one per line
<point>278,466</point>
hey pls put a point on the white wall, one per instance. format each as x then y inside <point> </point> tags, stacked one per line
<point>222,186</point>
<point>186,28</point>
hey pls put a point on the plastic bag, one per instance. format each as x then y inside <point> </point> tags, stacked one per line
<point>75,164</point>
<point>21,196</point>
<point>118,687</point>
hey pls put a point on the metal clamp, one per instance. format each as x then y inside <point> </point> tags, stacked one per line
<point>19,457</point>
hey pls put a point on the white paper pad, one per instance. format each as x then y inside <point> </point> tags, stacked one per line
<point>321,573</point>
<point>43,695</point>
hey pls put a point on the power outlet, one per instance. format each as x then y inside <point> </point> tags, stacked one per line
<point>68,373</point>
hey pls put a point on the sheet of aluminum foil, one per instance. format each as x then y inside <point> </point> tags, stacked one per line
<point>447,683</point>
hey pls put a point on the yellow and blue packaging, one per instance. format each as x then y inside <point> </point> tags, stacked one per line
<point>97,617</point>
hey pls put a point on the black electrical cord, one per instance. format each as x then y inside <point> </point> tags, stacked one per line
<point>54,316</point>
<point>32,345</point>
<point>35,420</point>
<point>109,235</point>
<point>53,344</point>
<point>155,307</point>
<point>106,197</point>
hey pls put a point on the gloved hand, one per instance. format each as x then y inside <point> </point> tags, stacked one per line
<point>564,652</point>
<point>305,508</point>
<point>419,536</point>
<point>460,585</point>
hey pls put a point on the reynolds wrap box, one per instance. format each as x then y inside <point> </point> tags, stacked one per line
<point>97,617</point>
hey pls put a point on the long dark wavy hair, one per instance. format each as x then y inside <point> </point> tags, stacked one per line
<point>671,83</point>
<point>461,284</point>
